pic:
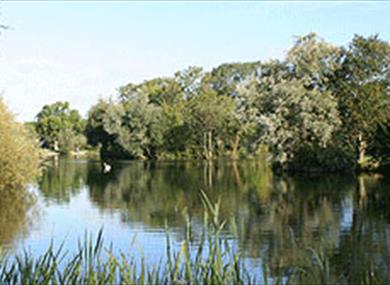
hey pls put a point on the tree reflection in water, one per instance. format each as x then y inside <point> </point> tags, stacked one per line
<point>17,212</point>
<point>63,179</point>
<point>282,219</point>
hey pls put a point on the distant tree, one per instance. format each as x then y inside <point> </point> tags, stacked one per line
<point>159,91</point>
<point>230,80</point>
<point>141,133</point>
<point>155,121</point>
<point>131,128</point>
<point>300,120</point>
<point>313,61</point>
<point>103,124</point>
<point>209,113</point>
<point>189,80</point>
<point>362,88</point>
<point>299,113</point>
<point>60,127</point>
<point>225,78</point>
<point>322,107</point>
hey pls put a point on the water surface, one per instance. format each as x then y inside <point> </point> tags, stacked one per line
<point>278,218</point>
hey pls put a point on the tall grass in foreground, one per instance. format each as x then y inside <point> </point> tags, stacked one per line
<point>214,261</point>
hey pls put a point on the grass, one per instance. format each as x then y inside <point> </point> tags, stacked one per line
<point>214,261</point>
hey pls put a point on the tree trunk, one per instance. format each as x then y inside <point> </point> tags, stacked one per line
<point>210,167</point>
<point>210,147</point>
<point>56,148</point>
<point>362,145</point>
<point>362,191</point>
<point>236,173</point>
<point>205,145</point>
<point>208,173</point>
<point>236,144</point>
<point>205,171</point>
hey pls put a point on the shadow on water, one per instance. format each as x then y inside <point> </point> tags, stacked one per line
<point>278,218</point>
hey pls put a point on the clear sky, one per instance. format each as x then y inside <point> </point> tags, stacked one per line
<point>80,51</point>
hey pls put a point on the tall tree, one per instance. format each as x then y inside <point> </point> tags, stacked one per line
<point>298,111</point>
<point>230,80</point>
<point>209,114</point>
<point>59,126</point>
<point>362,88</point>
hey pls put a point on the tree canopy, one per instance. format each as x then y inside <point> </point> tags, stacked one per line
<point>60,128</point>
<point>322,107</point>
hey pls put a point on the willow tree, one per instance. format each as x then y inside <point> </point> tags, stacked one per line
<point>299,113</point>
<point>103,126</point>
<point>300,121</point>
<point>18,152</point>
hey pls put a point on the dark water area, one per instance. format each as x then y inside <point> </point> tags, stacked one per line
<point>277,219</point>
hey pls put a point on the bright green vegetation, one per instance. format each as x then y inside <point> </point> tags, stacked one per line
<point>60,128</point>
<point>323,107</point>
<point>215,260</point>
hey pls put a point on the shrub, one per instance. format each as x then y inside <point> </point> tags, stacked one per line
<point>18,152</point>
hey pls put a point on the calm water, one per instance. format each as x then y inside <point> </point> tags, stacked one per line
<point>348,216</point>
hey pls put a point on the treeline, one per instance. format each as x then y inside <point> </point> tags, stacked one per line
<point>323,107</point>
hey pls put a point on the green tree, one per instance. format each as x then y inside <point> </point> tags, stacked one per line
<point>231,80</point>
<point>299,113</point>
<point>209,114</point>
<point>159,91</point>
<point>59,127</point>
<point>362,88</point>
<point>319,108</point>
<point>225,78</point>
<point>141,133</point>
<point>154,123</point>
<point>103,125</point>
<point>313,61</point>
<point>301,120</point>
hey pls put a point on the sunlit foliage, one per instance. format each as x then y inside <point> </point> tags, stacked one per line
<point>322,107</point>
<point>18,153</point>
<point>60,128</point>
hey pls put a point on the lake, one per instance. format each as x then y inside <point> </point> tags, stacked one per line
<point>277,218</point>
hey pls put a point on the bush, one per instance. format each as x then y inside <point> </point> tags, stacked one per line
<point>18,152</point>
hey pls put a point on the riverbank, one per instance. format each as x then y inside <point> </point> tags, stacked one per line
<point>47,154</point>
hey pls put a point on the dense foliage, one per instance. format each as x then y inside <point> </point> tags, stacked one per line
<point>18,153</point>
<point>60,128</point>
<point>323,107</point>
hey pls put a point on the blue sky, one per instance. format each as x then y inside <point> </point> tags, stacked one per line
<point>80,51</point>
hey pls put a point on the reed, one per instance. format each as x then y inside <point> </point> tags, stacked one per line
<point>215,261</point>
